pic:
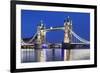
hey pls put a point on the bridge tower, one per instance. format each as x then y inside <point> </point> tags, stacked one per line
<point>41,33</point>
<point>67,38</point>
<point>40,40</point>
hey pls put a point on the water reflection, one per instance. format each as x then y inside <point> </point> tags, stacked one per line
<point>30,55</point>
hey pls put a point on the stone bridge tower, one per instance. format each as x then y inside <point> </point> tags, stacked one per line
<point>67,38</point>
<point>40,40</point>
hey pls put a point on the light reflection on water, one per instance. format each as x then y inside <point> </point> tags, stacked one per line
<point>29,55</point>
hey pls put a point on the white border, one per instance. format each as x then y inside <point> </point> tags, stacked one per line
<point>20,65</point>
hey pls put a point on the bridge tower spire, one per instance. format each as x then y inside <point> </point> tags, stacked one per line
<point>40,40</point>
<point>67,38</point>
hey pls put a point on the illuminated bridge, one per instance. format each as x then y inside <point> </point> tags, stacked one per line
<point>71,41</point>
<point>76,41</point>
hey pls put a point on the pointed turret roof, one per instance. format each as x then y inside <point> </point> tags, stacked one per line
<point>68,19</point>
<point>41,24</point>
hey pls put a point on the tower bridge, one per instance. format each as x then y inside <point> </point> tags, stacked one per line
<point>71,40</point>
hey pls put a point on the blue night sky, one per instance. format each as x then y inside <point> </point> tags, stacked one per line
<point>31,18</point>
